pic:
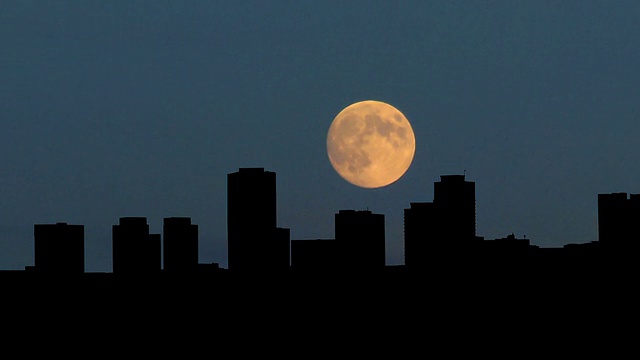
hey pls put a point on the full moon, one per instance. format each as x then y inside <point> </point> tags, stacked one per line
<point>371,144</point>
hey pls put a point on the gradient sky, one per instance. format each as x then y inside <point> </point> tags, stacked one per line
<point>142,108</point>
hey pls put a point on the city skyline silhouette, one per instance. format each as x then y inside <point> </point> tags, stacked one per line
<point>453,275</point>
<point>438,235</point>
<point>123,120</point>
<point>139,109</point>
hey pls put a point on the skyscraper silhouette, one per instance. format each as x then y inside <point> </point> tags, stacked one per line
<point>444,228</point>
<point>361,239</point>
<point>135,251</point>
<point>456,201</point>
<point>619,220</point>
<point>59,248</point>
<point>254,241</point>
<point>180,240</point>
<point>420,233</point>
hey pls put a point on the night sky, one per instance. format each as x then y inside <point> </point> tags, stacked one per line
<point>142,108</point>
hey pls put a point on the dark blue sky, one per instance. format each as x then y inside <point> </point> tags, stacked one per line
<point>141,108</point>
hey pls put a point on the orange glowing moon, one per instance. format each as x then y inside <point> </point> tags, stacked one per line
<point>371,144</point>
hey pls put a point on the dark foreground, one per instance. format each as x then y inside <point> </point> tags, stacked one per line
<point>391,312</point>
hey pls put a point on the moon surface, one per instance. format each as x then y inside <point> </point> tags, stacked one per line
<point>371,144</point>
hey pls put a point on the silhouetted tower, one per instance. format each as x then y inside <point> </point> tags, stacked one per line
<point>59,248</point>
<point>254,242</point>
<point>180,239</point>
<point>420,233</point>
<point>619,220</point>
<point>442,230</point>
<point>135,251</point>
<point>361,239</point>
<point>456,201</point>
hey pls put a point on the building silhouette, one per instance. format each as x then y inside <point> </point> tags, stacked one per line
<point>455,199</point>
<point>135,251</point>
<point>59,248</point>
<point>507,245</point>
<point>443,228</point>
<point>508,252</point>
<point>180,245</point>
<point>361,239</point>
<point>253,239</point>
<point>619,220</point>
<point>420,232</point>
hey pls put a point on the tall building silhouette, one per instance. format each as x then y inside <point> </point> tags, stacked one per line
<point>444,227</point>
<point>361,239</point>
<point>180,245</point>
<point>59,248</point>
<point>420,230</point>
<point>619,220</point>
<point>455,198</point>
<point>135,251</point>
<point>254,242</point>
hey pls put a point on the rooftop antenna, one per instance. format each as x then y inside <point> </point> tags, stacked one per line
<point>464,173</point>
